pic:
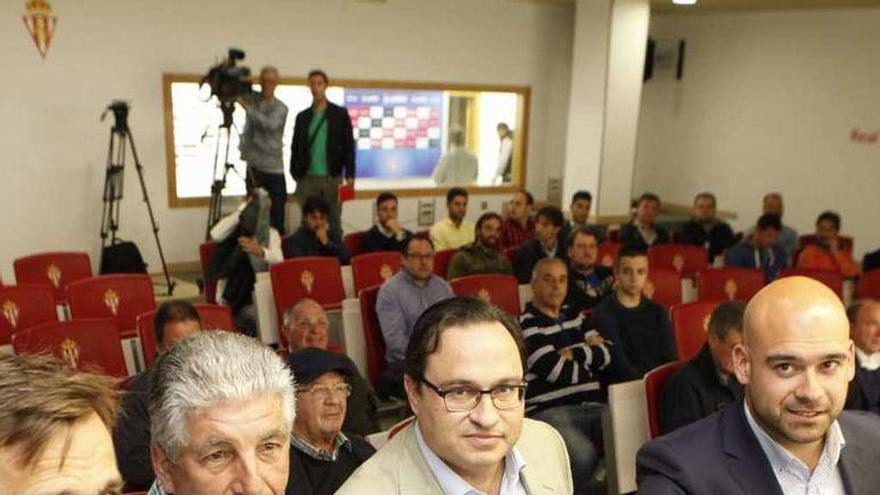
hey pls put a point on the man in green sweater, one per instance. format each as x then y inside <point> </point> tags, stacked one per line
<point>481,256</point>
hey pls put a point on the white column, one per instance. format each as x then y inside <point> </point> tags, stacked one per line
<point>607,65</point>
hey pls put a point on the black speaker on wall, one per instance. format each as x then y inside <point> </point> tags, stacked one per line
<point>679,69</point>
<point>649,60</point>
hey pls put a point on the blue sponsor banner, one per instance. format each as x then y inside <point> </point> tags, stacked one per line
<point>397,133</point>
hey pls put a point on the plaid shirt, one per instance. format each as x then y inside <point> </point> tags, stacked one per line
<point>513,235</point>
<point>318,454</point>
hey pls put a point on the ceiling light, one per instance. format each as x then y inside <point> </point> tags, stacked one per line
<point>684,2</point>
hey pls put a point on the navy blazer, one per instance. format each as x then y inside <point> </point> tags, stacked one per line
<point>720,455</point>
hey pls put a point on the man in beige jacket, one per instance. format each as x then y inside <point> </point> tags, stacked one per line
<point>464,381</point>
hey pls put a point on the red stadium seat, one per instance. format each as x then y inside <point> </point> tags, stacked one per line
<point>833,280</point>
<point>374,268</point>
<point>213,316</point>
<point>313,277</point>
<point>81,343</point>
<point>690,322</point>
<point>687,260</point>
<point>729,283</point>
<point>500,290</point>
<point>663,287</point>
<point>373,337</point>
<point>868,285</point>
<point>353,241</point>
<point>25,306</point>
<point>844,242</point>
<point>654,381</point>
<point>54,270</point>
<point>120,296</point>
<point>608,253</point>
<point>441,261</point>
<point>206,252</point>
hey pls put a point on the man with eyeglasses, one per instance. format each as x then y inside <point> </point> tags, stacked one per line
<point>305,326</point>
<point>322,457</point>
<point>464,379</point>
<point>400,302</point>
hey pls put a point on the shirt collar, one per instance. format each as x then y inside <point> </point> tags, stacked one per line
<point>382,230</point>
<point>453,484</point>
<point>782,460</point>
<point>319,454</point>
<point>870,362</point>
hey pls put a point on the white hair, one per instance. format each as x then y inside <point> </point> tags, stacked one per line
<point>209,368</point>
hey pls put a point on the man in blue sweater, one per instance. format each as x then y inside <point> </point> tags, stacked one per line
<point>565,355</point>
<point>761,249</point>
<point>638,325</point>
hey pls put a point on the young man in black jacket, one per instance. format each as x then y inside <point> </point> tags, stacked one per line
<point>313,238</point>
<point>322,153</point>
<point>386,234</point>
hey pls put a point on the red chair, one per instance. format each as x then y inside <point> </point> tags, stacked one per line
<point>353,241</point>
<point>690,322</point>
<point>729,283</point>
<point>608,253</point>
<point>213,316</point>
<point>441,261</point>
<point>25,306</point>
<point>654,381</point>
<point>868,285</point>
<point>687,260</point>
<point>206,252</point>
<point>82,343</point>
<point>374,268</point>
<point>54,270</point>
<point>373,338</point>
<point>314,277</point>
<point>119,296</point>
<point>663,287</point>
<point>500,290</point>
<point>844,242</point>
<point>833,280</point>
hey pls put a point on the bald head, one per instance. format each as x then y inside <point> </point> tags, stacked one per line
<point>796,361</point>
<point>794,305</point>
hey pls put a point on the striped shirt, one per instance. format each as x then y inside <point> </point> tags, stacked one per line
<point>555,379</point>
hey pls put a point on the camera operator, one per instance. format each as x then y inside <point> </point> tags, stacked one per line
<point>246,245</point>
<point>260,143</point>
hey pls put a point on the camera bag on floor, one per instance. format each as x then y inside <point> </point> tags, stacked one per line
<point>122,257</point>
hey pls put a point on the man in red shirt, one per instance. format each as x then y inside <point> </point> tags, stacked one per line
<point>519,226</point>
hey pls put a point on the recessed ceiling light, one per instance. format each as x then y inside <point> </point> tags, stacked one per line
<point>684,2</point>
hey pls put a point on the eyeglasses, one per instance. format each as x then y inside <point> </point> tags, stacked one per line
<point>466,399</point>
<point>324,391</point>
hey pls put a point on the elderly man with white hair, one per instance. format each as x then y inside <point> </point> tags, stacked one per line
<point>221,413</point>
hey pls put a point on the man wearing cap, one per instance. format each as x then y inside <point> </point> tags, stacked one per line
<point>322,457</point>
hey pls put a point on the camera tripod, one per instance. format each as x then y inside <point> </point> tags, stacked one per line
<point>120,138</point>
<point>216,201</point>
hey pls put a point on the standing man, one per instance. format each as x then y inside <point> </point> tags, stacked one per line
<point>465,381</point>
<point>260,143</point>
<point>387,234</point>
<point>322,154</point>
<point>453,231</point>
<point>458,166</point>
<point>704,229</point>
<point>482,256</point>
<point>643,232</point>
<point>505,154</point>
<point>400,302</point>
<point>788,436</point>
<point>518,227</point>
<point>546,243</point>
<point>706,383</point>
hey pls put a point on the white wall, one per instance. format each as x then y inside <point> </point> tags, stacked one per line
<point>768,102</point>
<point>54,146</point>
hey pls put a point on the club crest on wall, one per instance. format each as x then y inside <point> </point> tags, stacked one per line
<point>40,23</point>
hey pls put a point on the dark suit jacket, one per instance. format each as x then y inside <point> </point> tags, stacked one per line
<point>340,143</point>
<point>528,255</point>
<point>694,392</point>
<point>720,455</point>
<point>862,390</point>
<point>630,236</point>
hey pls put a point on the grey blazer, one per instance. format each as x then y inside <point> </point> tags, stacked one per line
<point>398,468</point>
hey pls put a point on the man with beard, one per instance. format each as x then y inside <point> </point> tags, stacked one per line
<point>387,234</point>
<point>481,256</point>
<point>788,435</point>
<point>588,282</point>
<point>453,231</point>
